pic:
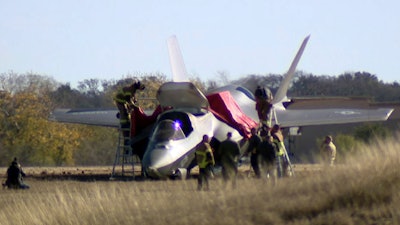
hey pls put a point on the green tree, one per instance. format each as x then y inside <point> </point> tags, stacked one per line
<point>357,84</point>
<point>66,97</point>
<point>97,145</point>
<point>371,131</point>
<point>271,81</point>
<point>33,138</point>
<point>25,131</point>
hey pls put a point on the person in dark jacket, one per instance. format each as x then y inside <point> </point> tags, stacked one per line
<point>14,176</point>
<point>268,150</point>
<point>263,105</point>
<point>252,149</point>
<point>229,152</point>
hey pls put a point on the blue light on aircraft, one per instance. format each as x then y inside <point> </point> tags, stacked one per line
<point>177,124</point>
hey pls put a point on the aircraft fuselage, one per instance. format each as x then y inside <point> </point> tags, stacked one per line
<point>172,144</point>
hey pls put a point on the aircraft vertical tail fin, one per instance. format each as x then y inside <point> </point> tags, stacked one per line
<point>179,73</point>
<point>281,94</point>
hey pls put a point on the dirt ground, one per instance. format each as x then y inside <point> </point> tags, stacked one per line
<point>97,173</point>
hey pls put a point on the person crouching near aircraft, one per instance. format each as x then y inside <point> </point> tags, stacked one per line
<point>252,149</point>
<point>328,151</point>
<point>125,99</point>
<point>15,176</point>
<point>268,151</point>
<point>263,105</point>
<point>229,152</point>
<point>205,161</point>
<point>281,161</point>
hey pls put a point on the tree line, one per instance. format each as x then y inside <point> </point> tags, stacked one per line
<point>26,101</point>
<point>357,84</point>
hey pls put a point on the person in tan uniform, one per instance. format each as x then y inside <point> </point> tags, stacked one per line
<point>328,151</point>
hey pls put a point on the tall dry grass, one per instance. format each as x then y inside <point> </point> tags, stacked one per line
<point>365,190</point>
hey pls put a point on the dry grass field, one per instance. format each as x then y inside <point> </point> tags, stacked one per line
<point>365,190</point>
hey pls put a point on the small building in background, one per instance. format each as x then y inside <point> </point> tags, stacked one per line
<point>302,142</point>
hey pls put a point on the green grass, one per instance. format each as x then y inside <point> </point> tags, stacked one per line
<point>365,190</point>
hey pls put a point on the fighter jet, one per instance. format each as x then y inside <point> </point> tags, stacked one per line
<point>166,140</point>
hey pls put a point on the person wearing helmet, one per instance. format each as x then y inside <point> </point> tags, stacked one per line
<point>125,99</point>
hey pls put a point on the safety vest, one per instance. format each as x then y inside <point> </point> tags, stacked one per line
<point>280,146</point>
<point>122,96</point>
<point>124,120</point>
<point>202,157</point>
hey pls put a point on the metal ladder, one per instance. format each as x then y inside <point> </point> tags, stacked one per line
<point>273,112</point>
<point>124,155</point>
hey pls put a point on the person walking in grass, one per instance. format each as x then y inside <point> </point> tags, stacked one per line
<point>205,161</point>
<point>229,152</point>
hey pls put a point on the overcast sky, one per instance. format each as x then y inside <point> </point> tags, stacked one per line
<point>73,40</point>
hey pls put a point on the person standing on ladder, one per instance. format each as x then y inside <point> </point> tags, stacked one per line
<point>263,105</point>
<point>125,99</point>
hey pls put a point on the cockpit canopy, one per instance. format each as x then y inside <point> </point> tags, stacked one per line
<point>172,126</point>
<point>168,130</point>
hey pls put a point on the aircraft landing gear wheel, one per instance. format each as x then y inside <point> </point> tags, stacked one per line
<point>180,174</point>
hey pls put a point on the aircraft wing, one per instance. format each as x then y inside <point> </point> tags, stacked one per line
<point>97,117</point>
<point>308,117</point>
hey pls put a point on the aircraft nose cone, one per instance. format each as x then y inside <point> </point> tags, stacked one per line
<point>156,158</point>
<point>153,172</point>
<point>154,161</point>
